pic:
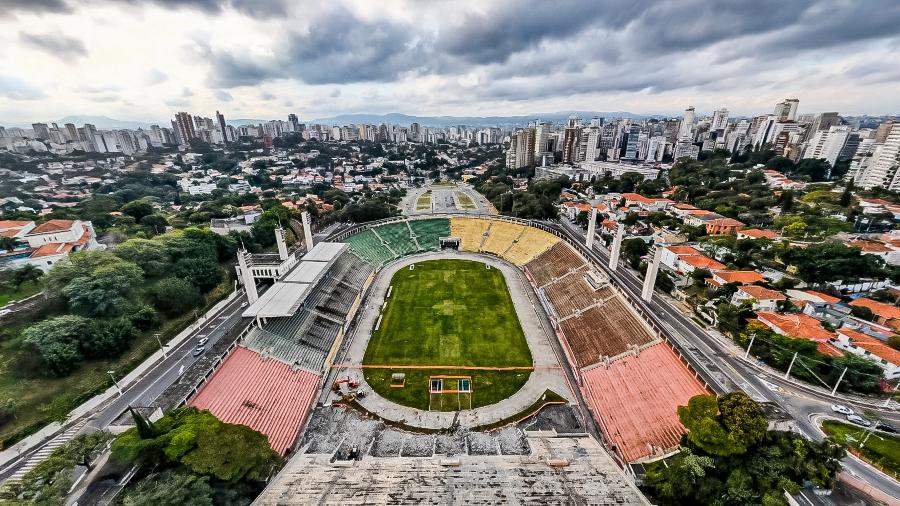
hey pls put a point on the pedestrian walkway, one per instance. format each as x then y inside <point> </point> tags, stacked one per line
<point>548,374</point>
<point>49,448</point>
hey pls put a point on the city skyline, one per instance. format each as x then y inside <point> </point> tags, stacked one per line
<point>145,60</point>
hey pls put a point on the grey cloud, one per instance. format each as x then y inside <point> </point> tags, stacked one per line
<point>178,103</point>
<point>224,96</point>
<point>261,9</point>
<point>156,76</point>
<point>266,96</point>
<point>60,46</point>
<point>34,6</point>
<point>17,89</point>
<point>186,92</point>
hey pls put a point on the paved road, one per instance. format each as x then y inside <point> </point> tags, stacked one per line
<point>800,403</point>
<point>146,389</point>
<point>445,200</point>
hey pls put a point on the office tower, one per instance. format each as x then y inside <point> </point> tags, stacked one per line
<point>720,119</point>
<point>183,124</point>
<point>71,132</point>
<point>765,132</point>
<point>882,132</point>
<point>632,143</point>
<point>592,144</point>
<point>541,138</point>
<point>294,121</point>
<point>41,131</point>
<point>221,120</point>
<point>787,110</point>
<point>571,140</point>
<point>687,124</point>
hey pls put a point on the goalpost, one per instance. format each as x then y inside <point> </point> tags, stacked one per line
<point>443,390</point>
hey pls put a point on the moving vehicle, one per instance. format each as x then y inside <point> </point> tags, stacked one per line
<point>840,408</point>
<point>202,341</point>
<point>886,427</point>
<point>198,351</point>
<point>858,420</point>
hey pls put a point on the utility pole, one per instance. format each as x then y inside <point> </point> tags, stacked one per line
<point>887,401</point>
<point>833,390</point>
<point>788,373</point>
<point>752,337</point>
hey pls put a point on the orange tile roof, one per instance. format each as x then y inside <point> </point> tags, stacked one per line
<point>726,222</point>
<point>880,309</point>
<point>795,325</point>
<point>685,206</point>
<point>52,248</point>
<point>870,246</point>
<point>636,197</point>
<point>743,277</point>
<point>875,346</point>
<point>683,250</point>
<point>762,293</point>
<point>828,299</point>
<point>759,234</point>
<point>827,348</point>
<point>701,262</point>
<point>52,226</point>
<point>5,224</point>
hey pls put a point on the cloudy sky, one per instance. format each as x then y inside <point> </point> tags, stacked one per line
<point>146,59</point>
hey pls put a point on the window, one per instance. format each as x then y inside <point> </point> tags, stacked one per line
<point>437,385</point>
<point>465,385</point>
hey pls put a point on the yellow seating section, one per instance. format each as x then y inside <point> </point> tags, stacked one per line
<point>532,243</point>
<point>470,231</point>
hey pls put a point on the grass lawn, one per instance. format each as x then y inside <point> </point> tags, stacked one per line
<point>465,200</point>
<point>424,201</point>
<point>26,290</point>
<point>880,449</point>
<point>447,313</point>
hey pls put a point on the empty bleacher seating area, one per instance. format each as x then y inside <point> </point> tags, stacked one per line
<point>572,294</point>
<point>381,244</point>
<point>554,263</point>
<point>470,231</point>
<point>428,232</point>
<point>530,244</point>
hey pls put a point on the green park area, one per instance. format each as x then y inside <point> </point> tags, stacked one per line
<point>452,319</point>
<point>880,449</point>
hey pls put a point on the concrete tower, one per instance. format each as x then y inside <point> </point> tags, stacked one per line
<point>650,278</point>
<point>616,248</point>
<point>247,276</point>
<point>307,230</point>
<point>592,226</point>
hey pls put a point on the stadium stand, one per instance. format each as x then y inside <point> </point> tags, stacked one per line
<point>266,395</point>
<point>604,331</point>
<point>568,297</point>
<point>501,237</point>
<point>396,238</point>
<point>283,349</point>
<point>470,231</point>
<point>530,244</point>
<point>429,231</point>
<point>554,263</point>
<point>351,270</point>
<point>656,382</point>
<point>368,246</point>
<point>588,476</point>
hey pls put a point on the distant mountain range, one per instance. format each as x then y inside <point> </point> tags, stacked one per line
<point>105,122</point>
<point>444,121</point>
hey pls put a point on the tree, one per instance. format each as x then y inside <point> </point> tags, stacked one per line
<point>825,262</point>
<point>633,249</point>
<point>175,295</point>
<point>56,340</point>
<point>170,488</point>
<point>862,312</point>
<point>28,273</point>
<point>203,272</point>
<point>723,426</point>
<point>149,255</point>
<point>104,291</point>
<point>137,209</point>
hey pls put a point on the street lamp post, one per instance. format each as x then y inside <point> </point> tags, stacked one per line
<point>161,347</point>
<point>752,337</point>
<point>116,383</point>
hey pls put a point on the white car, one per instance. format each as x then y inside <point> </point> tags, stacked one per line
<point>858,420</point>
<point>202,341</point>
<point>840,408</point>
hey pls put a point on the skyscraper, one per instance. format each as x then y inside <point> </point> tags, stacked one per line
<point>41,131</point>
<point>221,120</point>
<point>687,124</point>
<point>183,124</point>
<point>720,119</point>
<point>787,110</point>
<point>294,121</point>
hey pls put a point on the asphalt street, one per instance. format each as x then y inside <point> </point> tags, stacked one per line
<point>802,404</point>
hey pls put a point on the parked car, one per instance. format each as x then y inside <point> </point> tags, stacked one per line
<point>858,420</point>
<point>244,304</point>
<point>198,351</point>
<point>840,408</point>
<point>886,427</point>
<point>202,341</point>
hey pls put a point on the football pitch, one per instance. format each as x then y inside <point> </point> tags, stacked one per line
<point>450,320</point>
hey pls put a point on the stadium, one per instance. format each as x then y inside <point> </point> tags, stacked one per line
<point>449,357</point>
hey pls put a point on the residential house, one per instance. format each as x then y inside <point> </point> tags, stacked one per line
<point>686,259</point>
<point>723,226</point>
<point>761,298</point>
<point>870,348</point>
<point>724,277</point>
<point>756,233</point>
<point>800,326</point>
<point>885,314</point>
<point>45,244</point>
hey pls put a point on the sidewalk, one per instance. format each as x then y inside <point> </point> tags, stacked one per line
<point>548,375</point>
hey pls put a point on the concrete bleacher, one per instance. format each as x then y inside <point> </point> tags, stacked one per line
<point>501,237</point>
<point>554,263</point>
<point>470,232</point>
<point>428,232</point>
<point>606,330</point>
<point>396,237</point>
<point>637,398</point>
<point>288,351</point>
<point>573,294</point>
<point>531,243</point>
<point>369,246</point>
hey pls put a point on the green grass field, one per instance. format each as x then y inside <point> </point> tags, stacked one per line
<point>880,449</point>
<point>465,201</point>
<point>424,201</point>
<point>447,313</point>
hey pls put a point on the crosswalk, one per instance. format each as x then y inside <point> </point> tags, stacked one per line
<point>49,448</point>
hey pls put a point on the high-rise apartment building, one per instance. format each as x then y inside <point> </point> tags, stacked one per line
<point>183,125</point>
<point>787,110</point>
<point>222,128</point>
<point>685,132</point>
<point>720,119</point>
